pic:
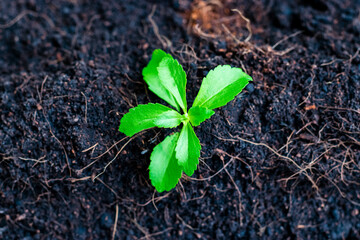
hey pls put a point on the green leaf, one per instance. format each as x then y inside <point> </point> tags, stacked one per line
<point>173,78</point>
<point>188,149</point>
<point>220,86</point>
<point>146,116</point>
<point>151,77</point>
<point>169,119</point>
<point>164,170</point>
<point>198,115</point>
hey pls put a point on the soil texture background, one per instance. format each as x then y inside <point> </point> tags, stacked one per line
<point>281,161</point>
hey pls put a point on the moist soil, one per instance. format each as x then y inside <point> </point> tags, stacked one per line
<point>281,161</point>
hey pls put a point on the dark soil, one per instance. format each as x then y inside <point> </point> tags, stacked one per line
<point>70,69</point>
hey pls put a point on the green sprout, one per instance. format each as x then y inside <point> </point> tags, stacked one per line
<point>180,151</point>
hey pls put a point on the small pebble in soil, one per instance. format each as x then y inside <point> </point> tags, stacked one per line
<point>355,212</point>
<point>250,87</point>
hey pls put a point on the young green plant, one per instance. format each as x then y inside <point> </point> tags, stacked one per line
<point>180,151</point>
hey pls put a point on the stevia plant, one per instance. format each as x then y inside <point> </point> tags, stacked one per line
<point>180,151</point>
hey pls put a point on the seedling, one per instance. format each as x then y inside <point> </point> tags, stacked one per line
<point>180,151</point>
